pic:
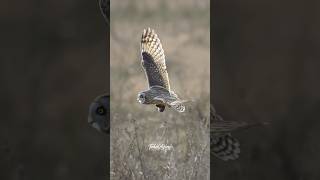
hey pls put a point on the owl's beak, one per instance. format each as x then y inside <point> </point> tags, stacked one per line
<point>90,120</point>
<point>96,126</point>
<point>139,100</point>
<point>93,124</point>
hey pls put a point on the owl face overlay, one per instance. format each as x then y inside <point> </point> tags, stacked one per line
<point>98,116</point>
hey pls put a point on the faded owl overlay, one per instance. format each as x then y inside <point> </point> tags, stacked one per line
<point>223,145</point>
<point>154,65</point>
<point>104,6</point>
<point>99,113</point>
<point>99,109</point>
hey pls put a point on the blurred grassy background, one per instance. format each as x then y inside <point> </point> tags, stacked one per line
<point>53,64</point>
<point>266,68</point>
<point>183,28</point>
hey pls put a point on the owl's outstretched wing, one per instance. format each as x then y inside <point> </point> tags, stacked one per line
<point>219,125</point>
<point>153,59</point>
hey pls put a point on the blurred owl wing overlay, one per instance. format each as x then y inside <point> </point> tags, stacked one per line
<point>153,60</point>
<point>99,113</point>
<point>105,10</point>
<point>223,144</point>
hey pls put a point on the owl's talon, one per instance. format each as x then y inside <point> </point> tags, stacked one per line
<point>160,107</point>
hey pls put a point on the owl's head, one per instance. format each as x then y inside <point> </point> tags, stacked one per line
<point>99,113</point>
<point>141,98</point>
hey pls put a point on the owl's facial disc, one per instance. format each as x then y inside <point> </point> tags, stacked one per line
<point>99,111</point>
<point>141,98</point>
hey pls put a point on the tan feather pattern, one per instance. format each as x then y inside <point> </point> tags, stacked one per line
<point>153,59</point>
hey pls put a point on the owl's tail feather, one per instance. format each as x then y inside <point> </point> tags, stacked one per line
<point>178,106</point>
<point>225,147</point>
<point>161,107</point>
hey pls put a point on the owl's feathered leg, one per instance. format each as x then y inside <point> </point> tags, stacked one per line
<point>177,105</point>
<point>160,107</point>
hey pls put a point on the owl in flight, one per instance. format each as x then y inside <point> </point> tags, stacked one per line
<point>154,65</point>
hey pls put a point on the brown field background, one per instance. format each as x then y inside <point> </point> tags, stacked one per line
<point>184,30</point>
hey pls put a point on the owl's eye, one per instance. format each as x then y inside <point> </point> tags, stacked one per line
<point>141,96</point>
<point>101,110</point>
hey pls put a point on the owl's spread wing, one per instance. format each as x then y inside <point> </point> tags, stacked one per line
<point>153,59</point>
<point>219,125</point>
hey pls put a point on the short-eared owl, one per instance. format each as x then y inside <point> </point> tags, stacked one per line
<point>154,65</point>
<point>99,113</point>
<point>99,109</point>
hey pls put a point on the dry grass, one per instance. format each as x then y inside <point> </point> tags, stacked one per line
<point>183,27</point>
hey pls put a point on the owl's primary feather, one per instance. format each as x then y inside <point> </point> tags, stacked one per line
<point>153,59</point>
